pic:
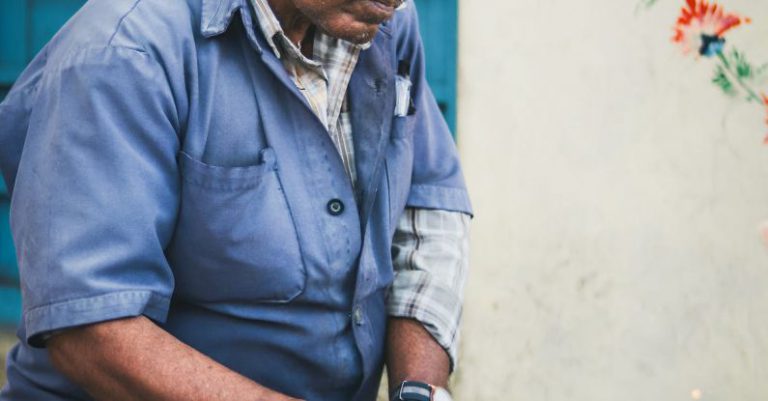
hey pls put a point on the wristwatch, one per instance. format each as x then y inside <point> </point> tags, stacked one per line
<point>420,391</point>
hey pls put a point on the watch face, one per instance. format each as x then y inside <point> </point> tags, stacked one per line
<point>419,391</point>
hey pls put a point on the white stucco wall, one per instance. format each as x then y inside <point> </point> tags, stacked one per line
<point>616,250</point>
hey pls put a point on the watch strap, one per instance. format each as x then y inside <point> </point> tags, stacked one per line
<point>413,391</point>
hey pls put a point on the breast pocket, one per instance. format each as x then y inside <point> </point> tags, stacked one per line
<point>235,239</point>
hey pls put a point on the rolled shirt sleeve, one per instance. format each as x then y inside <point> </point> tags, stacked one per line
<point>431,258</point>
<point>96,195</point>
<point>437,180</point>
<point>431,242</point>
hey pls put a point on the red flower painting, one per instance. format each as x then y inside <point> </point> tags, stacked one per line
<point>702,25</point>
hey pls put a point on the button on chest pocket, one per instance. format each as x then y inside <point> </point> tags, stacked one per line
<point>235,239</point>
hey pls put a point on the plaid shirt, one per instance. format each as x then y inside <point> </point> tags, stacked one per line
<point>430,250</point>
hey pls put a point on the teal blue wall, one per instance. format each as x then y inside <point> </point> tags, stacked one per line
<point>438,20</point>
<point>10,299</point>
<point>31,23</point>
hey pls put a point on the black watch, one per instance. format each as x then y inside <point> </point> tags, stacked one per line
<point>420,391</point>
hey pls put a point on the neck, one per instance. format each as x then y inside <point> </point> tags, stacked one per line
<point>295,24</point>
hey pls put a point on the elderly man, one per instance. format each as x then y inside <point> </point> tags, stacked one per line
<point>233,200</point>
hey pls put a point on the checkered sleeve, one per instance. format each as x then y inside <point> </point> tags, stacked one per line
<point>430,253</point>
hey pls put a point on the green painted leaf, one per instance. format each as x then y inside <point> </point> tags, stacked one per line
<point>723,82</point>
<point>743,67</point>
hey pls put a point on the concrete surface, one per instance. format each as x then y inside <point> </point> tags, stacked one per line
<point>616,253</point>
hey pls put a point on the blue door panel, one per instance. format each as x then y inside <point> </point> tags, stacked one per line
<point>30,25</point>
<point>10,306</point>
<point>13,47</point>
<point>10,297</point>
<point>47,16</point>
<point>8,273</point>
<point>438,20</point>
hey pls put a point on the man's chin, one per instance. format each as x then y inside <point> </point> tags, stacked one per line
<point>356,36</point>
<point>363,38</point>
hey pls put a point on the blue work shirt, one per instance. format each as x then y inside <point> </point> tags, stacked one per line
<point>161,164</point>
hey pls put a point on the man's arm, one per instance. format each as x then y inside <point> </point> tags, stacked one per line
<point>430,257</point>
<point>413,354</point>
<point>135,360</point>
<point>431,243</point>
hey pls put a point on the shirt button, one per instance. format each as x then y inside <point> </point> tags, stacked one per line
<point>357,315</point>
<point>335,207</point>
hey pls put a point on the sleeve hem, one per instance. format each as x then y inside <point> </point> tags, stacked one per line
<point>406,302</point>
<point>82,311</point>
<point>437,197</point>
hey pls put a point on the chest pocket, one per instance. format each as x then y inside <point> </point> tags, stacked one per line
<point>235,239</point>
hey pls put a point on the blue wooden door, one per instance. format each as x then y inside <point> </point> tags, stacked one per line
<point>26,25</point>
<point>438,20</point>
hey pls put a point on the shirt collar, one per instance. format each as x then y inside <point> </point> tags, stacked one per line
<point>270,26</point>
<point>217,15</point>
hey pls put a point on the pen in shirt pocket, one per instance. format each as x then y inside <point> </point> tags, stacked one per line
<point>403,85</point>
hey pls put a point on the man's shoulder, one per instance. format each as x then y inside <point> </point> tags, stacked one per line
<point>112,33</point>
<point>406,17</point>
<point>405,29</point>
<point>144,25</point>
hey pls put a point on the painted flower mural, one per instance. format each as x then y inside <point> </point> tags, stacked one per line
<point>701,29</point>
<point>702,26</point>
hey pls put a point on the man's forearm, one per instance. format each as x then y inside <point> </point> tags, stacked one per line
<point>413,354</point>
<point>134,359</point>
